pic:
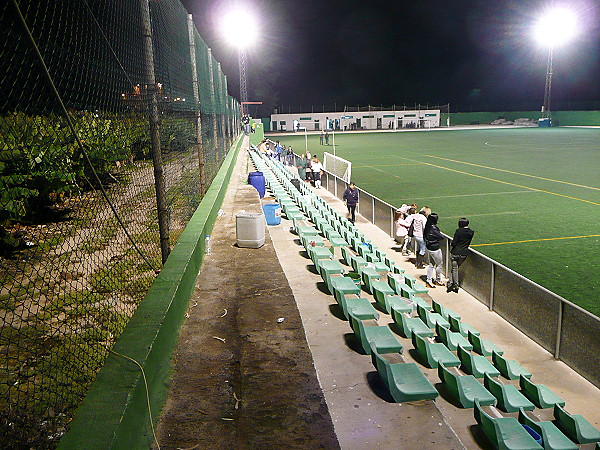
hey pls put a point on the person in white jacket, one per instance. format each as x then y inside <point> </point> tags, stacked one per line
<point>401,231</point>
<point>418,222</point>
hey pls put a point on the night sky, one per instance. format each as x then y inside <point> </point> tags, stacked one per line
<point>473,54</point>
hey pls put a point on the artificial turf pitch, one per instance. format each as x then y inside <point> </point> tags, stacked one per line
<point>532,194</point>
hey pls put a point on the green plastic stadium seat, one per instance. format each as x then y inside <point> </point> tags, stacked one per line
<point>509,368</point>
<point>347,255</point>
<point>328,266</point>
<point>317,253</point>
<point>461,327</point>
<point>396,303</point>
<point>465,388</point>
<point>452,339</point>
<point>476,365</point>
<point>443,311</point>
<point>374,337</point>
<point>434,354</point>
<point>431,319</point>
<point>380,289</point>
<point>357,262</point>
<point>408,325</point>
<point>575,426</point>
<point>309,241</point>
<point>360,307</point>
<point>343,286</point>
<point>552,437</point>
<point>483,346</point>
<point>369,275</point>
<point>414,285</point>
<point>509,398</point>
<point>405,381</point>
<point>420,302</point>
<point>540,395</point>
<point>504,432</point>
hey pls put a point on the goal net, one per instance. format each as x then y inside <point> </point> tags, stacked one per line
<point>340,167</point>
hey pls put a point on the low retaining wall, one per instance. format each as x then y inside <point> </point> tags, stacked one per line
<point>114,413</point>
<point>559,118</point>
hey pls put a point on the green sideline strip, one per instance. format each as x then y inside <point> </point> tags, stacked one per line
<point>114,413</point>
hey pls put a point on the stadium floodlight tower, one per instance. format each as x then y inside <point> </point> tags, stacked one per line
<point>556,27</point>
<point>241,32</point>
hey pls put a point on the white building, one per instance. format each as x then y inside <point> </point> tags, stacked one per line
<point>364,120</point>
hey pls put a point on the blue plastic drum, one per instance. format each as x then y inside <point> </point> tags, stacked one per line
<point>272,213</point>
<point>257,179</point>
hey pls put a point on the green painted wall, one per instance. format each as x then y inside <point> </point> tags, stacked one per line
<point>114,413</point>
<point>559,118</point>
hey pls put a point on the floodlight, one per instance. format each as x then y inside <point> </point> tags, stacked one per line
<point>556,27</point>
<point>239,28</point>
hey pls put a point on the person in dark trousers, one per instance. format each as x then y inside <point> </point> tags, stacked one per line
<point>351,199</point>
<point>433,236</point>
<point>459,249</point>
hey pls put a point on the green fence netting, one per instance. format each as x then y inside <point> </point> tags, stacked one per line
<point>81,221</point>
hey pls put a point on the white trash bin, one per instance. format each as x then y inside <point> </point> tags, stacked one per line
<point>250,229</point>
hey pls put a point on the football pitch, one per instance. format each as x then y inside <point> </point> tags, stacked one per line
<point>532,194</point>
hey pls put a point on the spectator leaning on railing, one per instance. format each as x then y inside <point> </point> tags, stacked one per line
<point>459,250</point>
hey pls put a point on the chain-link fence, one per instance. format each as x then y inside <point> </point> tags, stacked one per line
<point>114,119</point>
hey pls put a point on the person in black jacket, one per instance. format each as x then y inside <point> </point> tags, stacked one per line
<point>433,236</point>
<point>351,199</point>
<point>459,249</point>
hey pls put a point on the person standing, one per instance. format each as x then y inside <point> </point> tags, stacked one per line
<point>326,138</point>
<point>418,222</point>
<point>350,198</point>
<point>322,137</point>
<point>401,231</point>
<point>459,250</point>
<point>284,154</point>
<point>317,169</point>
<point>246,124</point>
<point>290,156</point>
<point>301,165</point>
<point>433,237</point>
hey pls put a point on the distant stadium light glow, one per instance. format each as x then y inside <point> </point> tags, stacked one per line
<point>239,29</point>
<point>556,27</point>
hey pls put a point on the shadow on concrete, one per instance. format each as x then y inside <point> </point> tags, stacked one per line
<point>353,343</point>
<point>446,395</point>
<point>378,387</point>
<point>418,358</point>
<point>337,312</point>
<point>480,437</point>
<point>322,286</point>
<point>312,269</point>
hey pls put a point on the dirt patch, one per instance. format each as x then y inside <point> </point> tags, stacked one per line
<point>243,378</point>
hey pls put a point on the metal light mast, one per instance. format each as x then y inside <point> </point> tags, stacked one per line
<point>548,87</point>
<point>243,78</point>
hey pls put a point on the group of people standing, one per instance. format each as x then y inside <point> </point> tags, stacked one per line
<point>309,168</point>
<point>423,229</point>
<point>277,151</point>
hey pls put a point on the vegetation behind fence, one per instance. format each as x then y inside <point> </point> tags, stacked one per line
<point>114,119</point>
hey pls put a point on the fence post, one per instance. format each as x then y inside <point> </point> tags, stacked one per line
<point>196,90</point>
<point>224,104</point>
<point>492,287</point>
<point>154,118</point>
<point>213,97</point>
<point>561,310</point>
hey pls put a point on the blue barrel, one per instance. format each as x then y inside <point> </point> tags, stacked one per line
<point>272,213</point>
<point>257,179</point>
